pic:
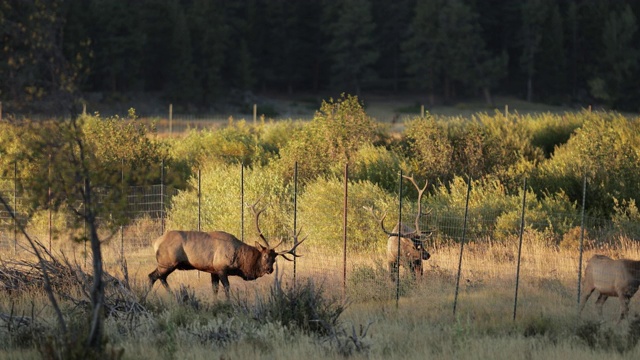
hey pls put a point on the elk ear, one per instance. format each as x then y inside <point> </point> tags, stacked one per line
<point>259,246</point>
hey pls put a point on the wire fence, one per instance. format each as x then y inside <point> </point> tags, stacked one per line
<point>465,252</point>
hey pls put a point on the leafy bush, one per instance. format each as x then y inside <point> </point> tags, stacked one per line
<point>338,130</point>
<point>606,149</point>
<point>221,205</point>
<point>430,148</point>
<point>495,212</point>
<point>322,210</point>
<point>378,165</point>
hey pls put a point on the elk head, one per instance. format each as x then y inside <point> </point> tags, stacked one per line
<point>269,254</point>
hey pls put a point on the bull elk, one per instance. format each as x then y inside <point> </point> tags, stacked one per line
<point>218,253</point>
<point>412,240</point>
<point>608,277</point>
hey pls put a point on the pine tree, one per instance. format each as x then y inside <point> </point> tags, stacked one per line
<point>351,48</point>
<point>618,72</point>
<point>422,49</point>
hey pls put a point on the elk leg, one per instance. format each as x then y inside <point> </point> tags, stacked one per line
<point>393,267</point>
<point>162,275</point>
<point>418,270</point>
<point>215,282</point>
<point>624,307</point>
<point>584,298</point>
<point>225,283</point>
<point>600,302</point>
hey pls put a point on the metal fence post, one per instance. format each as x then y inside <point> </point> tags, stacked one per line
<point>49,199</point>
<point>162,196</point>
<point>581,251</point>
<point>124,193</point>
<point>15,207</point>
<point>344,229</point>
<point>199,204</point>
<point>524,203</point>
<point>464,234</point>
<point>398,237</point>
<point>242,201</point>
<point>295,218</point>
<point>199,199</point>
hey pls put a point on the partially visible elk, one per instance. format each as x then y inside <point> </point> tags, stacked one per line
<point>218,253</point>
<point>412,240</point>
<point>608,277</point>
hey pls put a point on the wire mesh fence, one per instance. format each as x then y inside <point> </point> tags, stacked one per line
<point>468,250</point>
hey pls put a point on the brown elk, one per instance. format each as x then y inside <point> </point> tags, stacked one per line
<point>411,241</point>
<point>608,277</point>
<point>218,253</point>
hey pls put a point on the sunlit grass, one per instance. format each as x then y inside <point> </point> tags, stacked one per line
<point>422,324</point>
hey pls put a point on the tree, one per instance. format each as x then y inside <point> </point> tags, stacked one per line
<point>181,79</point>
<point>533,15</point>
<point>392,19</point>
<point>35,72</point>
<point>210,36</point>
<point>422,48</point>
<point>76,165</point>
<point>117,45</point>
<point>551,69</point>
<point>351,48</point>
<point>618,70</point>
<point>469,64</point>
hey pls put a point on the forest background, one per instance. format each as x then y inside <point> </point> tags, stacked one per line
<point>204,56</point>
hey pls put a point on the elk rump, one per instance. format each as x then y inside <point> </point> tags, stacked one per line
<point>608,277</point>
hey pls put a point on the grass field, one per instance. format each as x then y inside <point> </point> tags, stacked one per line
<point>372,325</point>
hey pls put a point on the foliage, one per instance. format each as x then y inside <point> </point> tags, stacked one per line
<point>626,217</point>
<point>605,149</point>
<point>378,165</point>
<point>430,147</point>
<point>321,211</point>
<point>236,143</point>
<point>496,212</point>
<point>110,148</point>
<point>334,136</point>
<point>222,207</point>
<point>352,46</point>
<point>54,51</point>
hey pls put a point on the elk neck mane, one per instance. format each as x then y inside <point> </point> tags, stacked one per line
<point>247,260</point>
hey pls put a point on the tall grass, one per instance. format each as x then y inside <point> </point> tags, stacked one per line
<point>272,318</point>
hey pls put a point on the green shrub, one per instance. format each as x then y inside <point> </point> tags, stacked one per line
<point>334,136</point>
<point>606,149</point>
<point>377,165</point>
<point>321,208</point>
<point>221,205</point>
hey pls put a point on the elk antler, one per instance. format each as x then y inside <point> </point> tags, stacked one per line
<point>292,250</point>
<point>381,221</point>
<point>417,231</point>
<point>257,217</point>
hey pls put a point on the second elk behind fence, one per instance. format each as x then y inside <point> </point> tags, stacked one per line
<point>406,245</point>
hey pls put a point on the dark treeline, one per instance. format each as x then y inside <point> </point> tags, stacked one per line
<point>197,52</point>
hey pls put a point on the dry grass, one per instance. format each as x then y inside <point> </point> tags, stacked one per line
<point>422,325</point>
